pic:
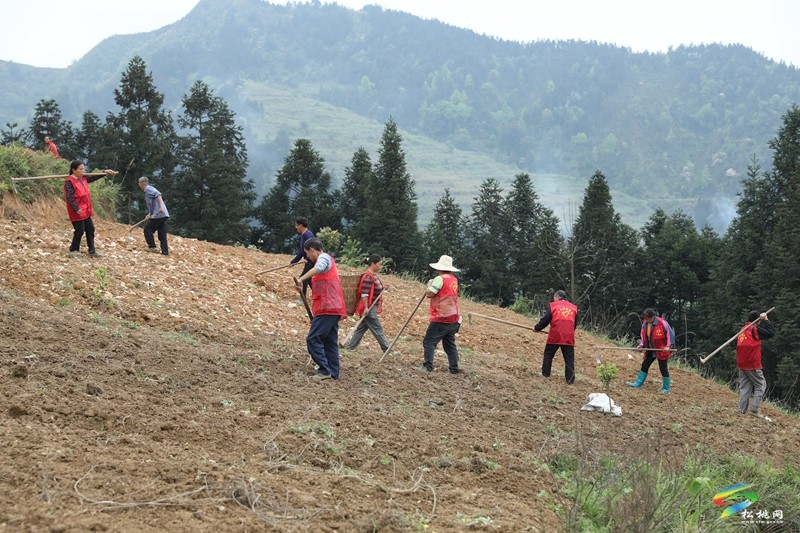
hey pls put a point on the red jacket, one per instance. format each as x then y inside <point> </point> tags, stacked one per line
<point>327,296</point>
<point>360,308</point>
<point>444,305</point>
<point>82,197</point>
<point>562,323</point>
<point>748,349</point>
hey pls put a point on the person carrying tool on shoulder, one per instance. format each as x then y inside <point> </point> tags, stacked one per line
<point>562,317</point>
<point>748,360</point>
<point>656,333</point>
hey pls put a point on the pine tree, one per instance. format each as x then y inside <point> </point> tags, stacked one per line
<point>486,261</point>
<point>390,221</point>
<point>144,141</point>
<point>90,142</point>
<point>48,121</point>
<point>443,236</point>
<point>605,252</point>
<point>534,241</point>
<point>302,188</point>
<point>352,195</point>
<point>210,197</point>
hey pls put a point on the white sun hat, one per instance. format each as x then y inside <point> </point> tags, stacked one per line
<point>445,263</point>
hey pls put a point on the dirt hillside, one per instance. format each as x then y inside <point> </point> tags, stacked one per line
<point>148,393</point>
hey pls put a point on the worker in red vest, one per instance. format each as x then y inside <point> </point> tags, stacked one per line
<point>562,317</point>
<point>445,320</point>
<point>656,333</point>
<point>327,307</point>
<point>748,360</point>
<point>50,146</point>
<point>79,207</point>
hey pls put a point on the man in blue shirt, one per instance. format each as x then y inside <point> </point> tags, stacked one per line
<point>157,216</point>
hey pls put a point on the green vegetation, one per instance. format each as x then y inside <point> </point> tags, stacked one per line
<point>606,372</point>
<point>616,494</point>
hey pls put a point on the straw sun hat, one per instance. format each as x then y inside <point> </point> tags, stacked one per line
<point>445,263</point>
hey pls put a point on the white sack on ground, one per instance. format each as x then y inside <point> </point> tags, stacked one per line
<point>602,402</point>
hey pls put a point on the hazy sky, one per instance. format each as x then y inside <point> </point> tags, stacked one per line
<point>50,33</point>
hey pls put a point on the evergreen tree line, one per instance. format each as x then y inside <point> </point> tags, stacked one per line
<point>511,249</point>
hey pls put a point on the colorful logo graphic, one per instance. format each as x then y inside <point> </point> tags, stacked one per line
<point>726,496</point>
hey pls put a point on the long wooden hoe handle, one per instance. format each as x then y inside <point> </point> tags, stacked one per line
<point>360,320</point>
<point>727,342</point>
<point>404,325</point>
<point>305,302</point>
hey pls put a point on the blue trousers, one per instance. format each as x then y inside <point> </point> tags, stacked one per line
<point>323,344</point>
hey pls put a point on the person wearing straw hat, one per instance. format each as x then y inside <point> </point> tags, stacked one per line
<point>444,318</point>
<point>562,316</point>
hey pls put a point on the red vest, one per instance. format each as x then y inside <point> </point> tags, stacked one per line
<point>82,197</point>
<point>326,293</point>
<point>659,338</point>
<point>748,349</point>
<point>444,305</point>
<point>562,323</point>
<point>360,309</point>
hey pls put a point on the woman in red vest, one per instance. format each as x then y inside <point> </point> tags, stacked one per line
<point>562,316</point>
<point>370,289</point>
<point>658,334</point>
<point>328,308</point>
<point>748,359</point>
<point>79,206</point>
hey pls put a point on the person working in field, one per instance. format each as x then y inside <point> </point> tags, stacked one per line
<point>656,333</point>
<point>561,316</point>
<point>444,318</point>
<point>328,308</point>
<point>370,289</point>
<point>79,207</point>
<point>748,361</point>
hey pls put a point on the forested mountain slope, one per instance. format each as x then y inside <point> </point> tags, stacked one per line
<point>670,130</point>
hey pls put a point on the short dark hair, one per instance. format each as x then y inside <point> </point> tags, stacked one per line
<point>372,259</point>
<point>649,312</point>
<point>303,221</point>
<point>314,243</point>
<point>561,294</point>
<point>754,314</point>
<point>75,164</point>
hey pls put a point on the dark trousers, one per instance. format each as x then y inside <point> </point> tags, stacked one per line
<point>323,344</point>
<point>648,359</point>
<point>569,360</point>
<point>81,227</point>
<point>157,225</point>
<point>308,265</point>
<point>440,331</point>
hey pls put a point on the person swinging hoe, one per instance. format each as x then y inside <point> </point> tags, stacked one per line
<point>657,334</point>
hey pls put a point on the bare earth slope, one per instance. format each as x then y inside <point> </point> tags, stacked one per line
<point>150,393</point>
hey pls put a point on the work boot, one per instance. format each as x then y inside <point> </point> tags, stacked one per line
<point>639,380</point>
<point>665,383</point>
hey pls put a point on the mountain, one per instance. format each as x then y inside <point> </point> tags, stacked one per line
<point>151,393</point>
<point>675,130</point>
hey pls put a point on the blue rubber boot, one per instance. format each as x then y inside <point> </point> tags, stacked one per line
<point>666,382</point>
<point>639,380</point>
